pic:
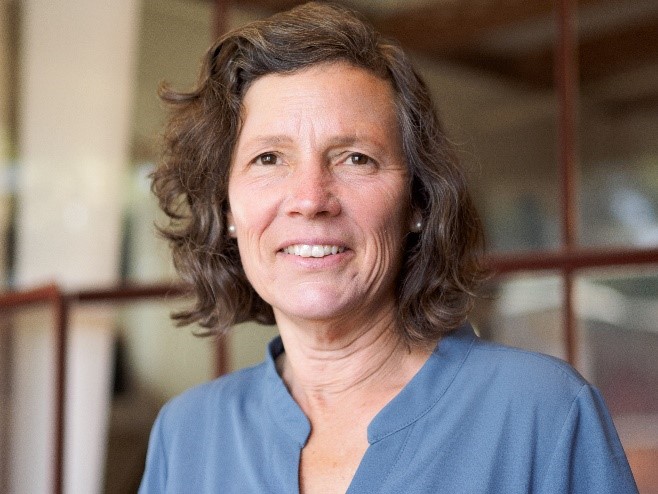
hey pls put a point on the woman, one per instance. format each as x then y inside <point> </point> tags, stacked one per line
<point>309,184</point>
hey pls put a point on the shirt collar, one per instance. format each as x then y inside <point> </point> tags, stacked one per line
<point>414,400</point>
<point>283,409</point>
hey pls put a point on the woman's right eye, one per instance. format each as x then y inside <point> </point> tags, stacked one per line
<point>267,159</point>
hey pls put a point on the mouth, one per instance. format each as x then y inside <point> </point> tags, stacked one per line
<point>307,250</point>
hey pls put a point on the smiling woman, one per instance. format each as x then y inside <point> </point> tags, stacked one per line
<point>309,184</point>
<point>434,292</point>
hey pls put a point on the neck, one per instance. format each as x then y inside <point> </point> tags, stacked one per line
<point>327,368</point>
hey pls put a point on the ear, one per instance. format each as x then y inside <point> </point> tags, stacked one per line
<point>230,225</point>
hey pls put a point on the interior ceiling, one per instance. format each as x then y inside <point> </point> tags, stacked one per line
<point>512,38</point>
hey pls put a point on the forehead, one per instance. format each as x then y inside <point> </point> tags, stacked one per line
<point>338,90</point>
<point>343,67</point>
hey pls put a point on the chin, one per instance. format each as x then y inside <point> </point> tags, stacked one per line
<point>314,307</point>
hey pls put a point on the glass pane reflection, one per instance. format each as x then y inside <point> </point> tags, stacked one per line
<point>618,146</point>
<point>505,134</point>
<point>523,311</point>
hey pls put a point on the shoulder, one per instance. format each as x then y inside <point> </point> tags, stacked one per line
<point>517,359</point>
<point>529,415</point>
<point>523,365</point>
<point>527,379</point>
<point>551,406</point>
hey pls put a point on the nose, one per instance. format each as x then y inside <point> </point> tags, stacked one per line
<point>311,191</point>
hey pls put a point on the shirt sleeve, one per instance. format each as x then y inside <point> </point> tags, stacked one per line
<point>588,457</point>
<point>155,474</point>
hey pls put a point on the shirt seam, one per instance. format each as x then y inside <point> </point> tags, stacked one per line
<point>398,457</point>
<point>562,430</point>
<point>165,456</point>
<point>559,366</point>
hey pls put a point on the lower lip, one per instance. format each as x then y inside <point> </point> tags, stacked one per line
<point>317,262</point>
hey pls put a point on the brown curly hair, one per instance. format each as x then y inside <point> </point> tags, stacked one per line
<point>442,264</point>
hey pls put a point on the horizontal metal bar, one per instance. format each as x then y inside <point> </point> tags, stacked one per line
<point>38,295</point>
<point>569,259</point>
<point>130,292</point>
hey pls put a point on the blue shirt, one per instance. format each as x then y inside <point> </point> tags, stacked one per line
<point>477,418</point>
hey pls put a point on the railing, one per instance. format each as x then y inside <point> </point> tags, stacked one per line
<point>53,296</point>
<point>62,303</point>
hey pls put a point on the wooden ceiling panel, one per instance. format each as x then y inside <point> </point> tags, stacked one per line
<point>438,30</point>
<point>615,52</point>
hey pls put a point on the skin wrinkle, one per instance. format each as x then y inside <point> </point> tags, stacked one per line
<point>352,368</point>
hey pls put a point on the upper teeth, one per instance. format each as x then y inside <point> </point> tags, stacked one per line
<point>305,250</point>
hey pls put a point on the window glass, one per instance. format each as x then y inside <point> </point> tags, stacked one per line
<point>619,122</point>
<point>523,311</point>
<point>152,362</point>
<point>491,75</point>
<point>173,35</point>
<point>248,344</point>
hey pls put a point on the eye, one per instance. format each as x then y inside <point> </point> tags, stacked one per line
<point>267,159</point>
<point>358,159</point>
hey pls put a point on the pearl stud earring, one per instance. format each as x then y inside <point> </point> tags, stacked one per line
<point>416,224</point>
<point>231,229</point>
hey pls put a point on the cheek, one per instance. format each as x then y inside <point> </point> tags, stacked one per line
<point>385,230</point>
<point>391,211</point>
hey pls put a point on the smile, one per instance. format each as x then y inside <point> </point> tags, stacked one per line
<point>305,250</point>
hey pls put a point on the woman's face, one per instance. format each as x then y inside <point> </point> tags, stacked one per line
<point>318,193</point>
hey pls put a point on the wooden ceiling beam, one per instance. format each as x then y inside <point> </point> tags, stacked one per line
<point>605,54</point>
<point>437,28</point>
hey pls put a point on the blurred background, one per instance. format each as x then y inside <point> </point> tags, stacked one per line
<point>571,212</point>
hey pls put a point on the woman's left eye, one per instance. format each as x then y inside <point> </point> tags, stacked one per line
<point>358,159</point>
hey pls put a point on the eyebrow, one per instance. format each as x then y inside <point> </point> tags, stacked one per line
<point>268,140</point>
<point>353,139</point>
<point>345,140</point>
